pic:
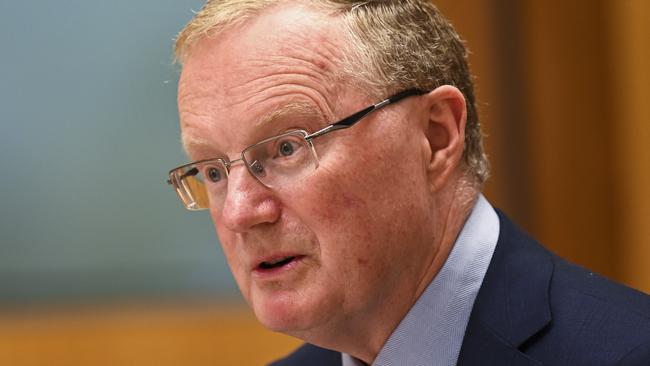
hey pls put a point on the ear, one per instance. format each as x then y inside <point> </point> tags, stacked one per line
<point>445,119</point>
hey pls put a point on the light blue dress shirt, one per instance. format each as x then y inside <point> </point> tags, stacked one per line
<point>431,333</point>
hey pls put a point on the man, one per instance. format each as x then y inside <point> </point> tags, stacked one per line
<point>337,147</point>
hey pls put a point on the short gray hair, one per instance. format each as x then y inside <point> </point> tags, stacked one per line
<point>394,45</point>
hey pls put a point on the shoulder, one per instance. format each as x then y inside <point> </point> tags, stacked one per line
<point>309,354</point>
<point>597,318</point>
<point>592,320</point>
<point>570,284</point>
<point>590,288</point>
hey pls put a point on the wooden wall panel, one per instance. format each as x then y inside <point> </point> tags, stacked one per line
<point>630,44</point>
<point>155,335</point>
<point>573,186</point>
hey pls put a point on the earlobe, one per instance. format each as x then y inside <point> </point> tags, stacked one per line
<point>444,133</point>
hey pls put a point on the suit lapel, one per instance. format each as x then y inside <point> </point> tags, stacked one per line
<point>512,304</point>
<point>484,347</point>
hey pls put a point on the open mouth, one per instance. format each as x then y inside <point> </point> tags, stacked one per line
<point>277,263</point>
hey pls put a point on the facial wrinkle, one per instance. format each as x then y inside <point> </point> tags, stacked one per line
<point>281,86</point>
<point>303,65</point>
<point>306,51</point>
<point>326,58</point>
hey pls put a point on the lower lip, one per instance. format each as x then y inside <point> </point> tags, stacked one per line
<point>278,271</point>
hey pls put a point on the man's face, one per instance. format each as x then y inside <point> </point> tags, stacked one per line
<point>355,231</point>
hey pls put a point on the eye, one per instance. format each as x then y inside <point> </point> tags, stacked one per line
<point>213,174</point>
<point>286,148</point>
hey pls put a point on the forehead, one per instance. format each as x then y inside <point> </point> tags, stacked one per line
<point>251,73</point>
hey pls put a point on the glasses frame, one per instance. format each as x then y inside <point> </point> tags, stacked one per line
<point>176,181</point>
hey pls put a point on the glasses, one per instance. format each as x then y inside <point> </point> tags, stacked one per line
<point>277,161</point>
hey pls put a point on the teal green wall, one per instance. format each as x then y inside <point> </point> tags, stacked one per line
<point>88,131</point>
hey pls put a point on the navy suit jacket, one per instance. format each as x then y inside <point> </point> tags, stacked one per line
<point>534,309</point>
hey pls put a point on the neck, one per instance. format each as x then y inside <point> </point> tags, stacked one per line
<point>364,336</point>
<point>453,207</point>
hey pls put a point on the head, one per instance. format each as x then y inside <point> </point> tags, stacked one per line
<point>364,230</point>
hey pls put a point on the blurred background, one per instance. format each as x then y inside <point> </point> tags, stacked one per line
<point>99,263</point>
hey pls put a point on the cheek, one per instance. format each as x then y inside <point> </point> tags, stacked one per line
<point>367,210</point>
<point>373,197</point>
<point>350,231</point>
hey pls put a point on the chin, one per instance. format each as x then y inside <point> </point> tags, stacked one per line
<point>288,313</point>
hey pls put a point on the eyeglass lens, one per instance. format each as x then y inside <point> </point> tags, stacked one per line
<point>275,162</point>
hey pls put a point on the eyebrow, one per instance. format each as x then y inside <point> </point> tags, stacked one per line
<point>293,109</point>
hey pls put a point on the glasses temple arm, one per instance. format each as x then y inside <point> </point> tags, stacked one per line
<point>351,120</point>
<point>190,173</point>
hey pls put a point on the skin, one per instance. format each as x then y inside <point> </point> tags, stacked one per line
<point>377,219</point>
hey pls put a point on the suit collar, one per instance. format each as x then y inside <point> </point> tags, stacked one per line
<point>513,302</point>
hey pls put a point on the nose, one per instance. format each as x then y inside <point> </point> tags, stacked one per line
<point>248,203</point>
